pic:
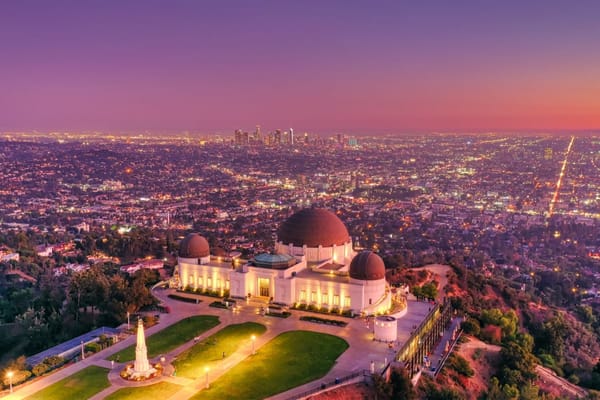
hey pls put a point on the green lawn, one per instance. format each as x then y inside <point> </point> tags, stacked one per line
<point>191,363</point>
<point>161,390</point>
<point>81,385</point>
<point>289,360</point>
<point>171,337</point>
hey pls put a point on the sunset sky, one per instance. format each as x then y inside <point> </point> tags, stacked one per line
<point>323,66</point>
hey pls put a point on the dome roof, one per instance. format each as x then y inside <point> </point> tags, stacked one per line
<point>367,266</point>
<point>219,252</point>
<point>313,227</point>
<point>274,261</point>
<point>194,246</point>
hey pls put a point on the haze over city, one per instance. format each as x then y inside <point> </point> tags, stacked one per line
<point>339,66</point>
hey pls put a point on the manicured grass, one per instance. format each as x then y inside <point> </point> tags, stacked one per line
<point>289,360</point>
<point>81,385</point>
<point>191,363</point>
<point>171,337</point>
<point>161,390</point>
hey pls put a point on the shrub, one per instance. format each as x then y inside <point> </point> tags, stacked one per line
<point>183,298</point>
<point>92,347</point>
<point>471,327</point>
<point>40,369</point>
<point>283,314</point>
<point>54,361</point>
<point>150,320</point>
<point>323,320</point>
<point>217,304</point>
<point>460,365</point>
<point>18,377</point>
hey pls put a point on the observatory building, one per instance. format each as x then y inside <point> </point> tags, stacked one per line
<point>313,263</point>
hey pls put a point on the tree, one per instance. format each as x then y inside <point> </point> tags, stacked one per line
<point>383,389</point>
<point>402,388</point>
<point>471,326</point>
<point>519,365</point>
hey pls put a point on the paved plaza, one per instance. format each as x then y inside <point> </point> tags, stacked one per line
<point>359,335</point>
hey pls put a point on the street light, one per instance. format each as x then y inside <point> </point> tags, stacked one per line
<point>82,352</point>
<point>9,375</point>
<point>206,371</point>
<point>128,320</point>
<point>253,340</point>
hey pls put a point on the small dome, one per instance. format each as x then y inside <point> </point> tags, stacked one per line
<point>313,227</point>
<point>194,246</point>
<point>367,266</point>
<point>219,252</point>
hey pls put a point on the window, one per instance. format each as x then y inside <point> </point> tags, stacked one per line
<point>218,283</point>
<point>227,284</point>
<point>336,299</point>
<point>325,298</point>
<point>303,295</point>
<point>209,282</point>
<point>313,297</point>
<point>347,302</point>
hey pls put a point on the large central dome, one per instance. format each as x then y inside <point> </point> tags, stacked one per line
<point>313,227</point>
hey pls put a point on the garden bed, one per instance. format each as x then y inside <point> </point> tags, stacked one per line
<point>326,321</point>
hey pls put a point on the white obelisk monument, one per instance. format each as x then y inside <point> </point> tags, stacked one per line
<point>141,366</point>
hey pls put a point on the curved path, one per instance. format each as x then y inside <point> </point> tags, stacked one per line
<point>357,357</point>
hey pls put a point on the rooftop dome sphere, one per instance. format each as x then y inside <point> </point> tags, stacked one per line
<point>313,227</point>
<point>367,266</point>
<point>194,246</point>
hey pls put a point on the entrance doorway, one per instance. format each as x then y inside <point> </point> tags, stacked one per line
<point>263,287</point>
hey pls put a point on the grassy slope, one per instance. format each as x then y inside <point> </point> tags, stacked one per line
<point>161,390</point>
<point>81,385</point>
<point>289,360</point>
<point>191,363</point>
<point>171,337</point>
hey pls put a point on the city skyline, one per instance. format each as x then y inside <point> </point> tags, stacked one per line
<point>339,66</point>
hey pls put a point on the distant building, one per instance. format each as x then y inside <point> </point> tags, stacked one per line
<point>4,257</point>
<point>143,264</point>
<point>44,251</point>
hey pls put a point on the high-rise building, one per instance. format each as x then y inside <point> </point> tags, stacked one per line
<point>548,153</point>
<point>277,138</point>
<point>285,139</point>
<point>292,136</point>
<point>257,137</point>
<point>238,136</point>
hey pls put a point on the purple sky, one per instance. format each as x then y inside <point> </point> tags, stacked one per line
<point>352,66</point>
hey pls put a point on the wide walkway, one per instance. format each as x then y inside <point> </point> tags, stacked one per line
<point>357,333</point>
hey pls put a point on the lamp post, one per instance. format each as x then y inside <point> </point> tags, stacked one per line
<point>206,371</point>
<point>9,374</point>
<point>82,352</point>
<point>253,340</point>
<point>127,320</point>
